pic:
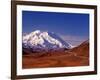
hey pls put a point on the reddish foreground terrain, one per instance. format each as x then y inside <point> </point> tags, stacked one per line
<point>78,56</point>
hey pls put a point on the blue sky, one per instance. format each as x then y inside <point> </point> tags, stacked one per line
<point>67,25</point>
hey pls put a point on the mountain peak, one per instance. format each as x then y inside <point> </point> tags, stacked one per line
<point>44,40</point>
<point>35,32</point>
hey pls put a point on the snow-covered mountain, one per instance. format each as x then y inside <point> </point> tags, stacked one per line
<point>39,40</point>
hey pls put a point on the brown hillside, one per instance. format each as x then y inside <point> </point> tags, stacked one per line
<point>82,49</point>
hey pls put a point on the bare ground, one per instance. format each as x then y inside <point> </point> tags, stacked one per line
<point>54,59</point>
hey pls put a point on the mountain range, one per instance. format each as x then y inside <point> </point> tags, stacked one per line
<point>43,41</point>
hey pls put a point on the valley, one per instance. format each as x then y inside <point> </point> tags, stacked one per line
<point>46,49</point>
